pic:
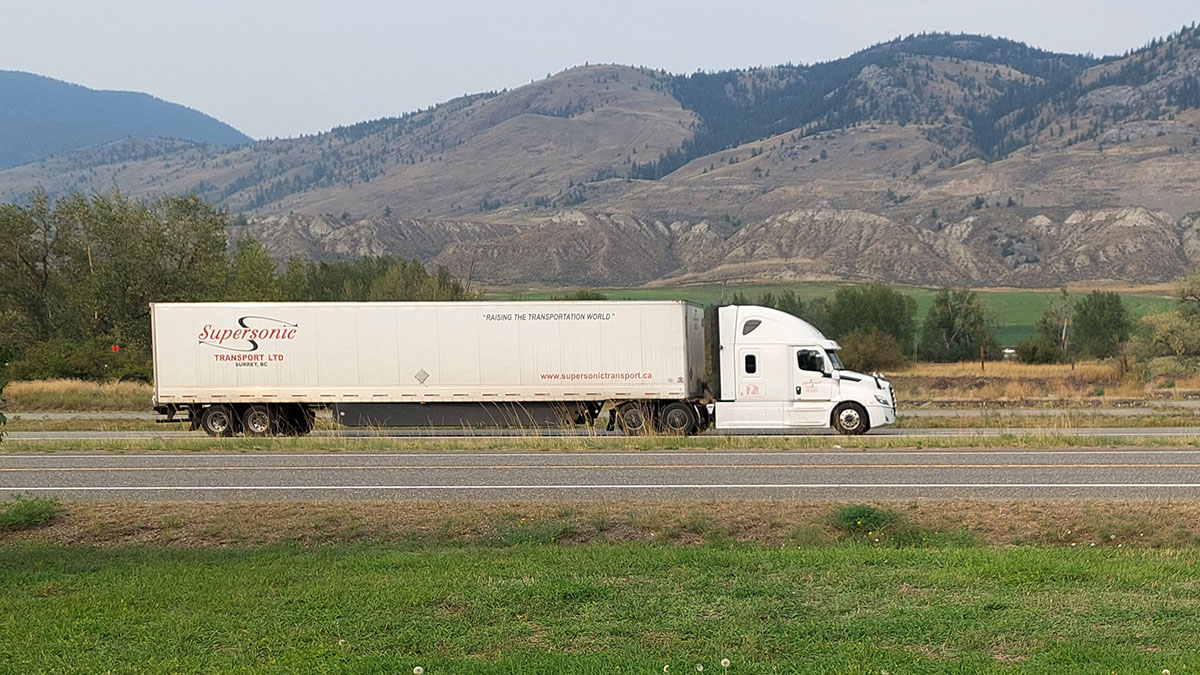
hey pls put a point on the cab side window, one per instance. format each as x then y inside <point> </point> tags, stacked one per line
<point>811,360</point>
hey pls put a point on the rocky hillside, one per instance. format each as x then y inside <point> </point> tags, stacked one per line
<point>40,116</point>
<point>935,159</point>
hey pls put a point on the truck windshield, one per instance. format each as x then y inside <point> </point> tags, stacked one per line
<point>835,361</point>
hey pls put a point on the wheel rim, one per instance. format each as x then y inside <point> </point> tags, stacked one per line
<point>677,419</point>
<point>218,421</point>
<point>633,419</point>
<point>849,418</point>
<point>258,422</point>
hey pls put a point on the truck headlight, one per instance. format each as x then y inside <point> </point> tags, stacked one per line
<point>882,399</point>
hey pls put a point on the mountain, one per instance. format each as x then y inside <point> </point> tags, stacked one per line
<point>932,159</point>
<point>40,116</point>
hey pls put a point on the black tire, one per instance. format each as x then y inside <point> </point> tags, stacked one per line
<point>850,419</point>
<point>634,418</point>
<point>259,420</point>
<point>218,421</point>
<point>678,419</point>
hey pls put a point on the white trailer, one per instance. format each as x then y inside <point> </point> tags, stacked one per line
<point>264,368</point>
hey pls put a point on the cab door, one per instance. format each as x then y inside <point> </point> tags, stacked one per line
<point>813,387</point>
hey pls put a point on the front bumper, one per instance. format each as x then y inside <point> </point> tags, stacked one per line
<point>881,415</point>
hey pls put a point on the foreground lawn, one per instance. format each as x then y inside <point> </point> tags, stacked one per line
<point>599,608</point>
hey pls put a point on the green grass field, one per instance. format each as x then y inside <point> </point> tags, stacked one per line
<point>1015,312</point>
<point>599,608</point>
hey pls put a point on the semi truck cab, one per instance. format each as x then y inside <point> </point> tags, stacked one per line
<point>774,370</point>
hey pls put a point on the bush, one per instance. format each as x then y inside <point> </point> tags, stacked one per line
<point>1041,350</point>
<point>24,514</point>
<point>861,518</point>
<point>1172,366</point>
<point>871,351</point>
<point>94,360</point>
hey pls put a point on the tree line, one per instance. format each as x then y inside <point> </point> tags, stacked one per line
<point>78,276</point>
<point>876,325</point>
<point>80,273</point>
<point>877,328</point>
<point>1097,326</point>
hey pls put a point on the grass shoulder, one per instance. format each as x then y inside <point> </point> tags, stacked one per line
<point>599,608</point>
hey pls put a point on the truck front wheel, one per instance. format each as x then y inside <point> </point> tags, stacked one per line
<point>850,419</point>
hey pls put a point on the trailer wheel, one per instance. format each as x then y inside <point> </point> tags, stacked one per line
<point>677,418</point>
<point>218,421</point>
<point>259,420</point>
<point>850,419</point>
<point>634,418</point>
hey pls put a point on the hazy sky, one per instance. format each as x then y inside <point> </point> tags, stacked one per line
<point>301,66</point>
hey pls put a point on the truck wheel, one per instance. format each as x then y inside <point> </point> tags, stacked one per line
<point>677,418</point>
<point>218,421</point>
<point>850,419</point>
<point>258,420</point>
<point>634,418</point>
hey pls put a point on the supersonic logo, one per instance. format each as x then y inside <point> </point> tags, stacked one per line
<point>251,331</point>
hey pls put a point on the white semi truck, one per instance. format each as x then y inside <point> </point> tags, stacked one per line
<point>266,368</point>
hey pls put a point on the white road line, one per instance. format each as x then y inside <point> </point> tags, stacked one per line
<point>694,486</point>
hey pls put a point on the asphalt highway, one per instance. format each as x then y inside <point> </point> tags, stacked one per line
<point>710,475</point>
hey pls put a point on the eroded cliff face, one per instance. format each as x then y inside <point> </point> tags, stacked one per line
<point>1017,247</point>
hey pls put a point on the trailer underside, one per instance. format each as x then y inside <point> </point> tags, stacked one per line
<point>682,417</point>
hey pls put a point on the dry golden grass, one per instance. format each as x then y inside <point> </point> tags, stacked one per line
<point>1008,382</point>
<point>79,395</point>
<point>998,382</point>
<point>770,523</point>
<point>1014,370</point>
